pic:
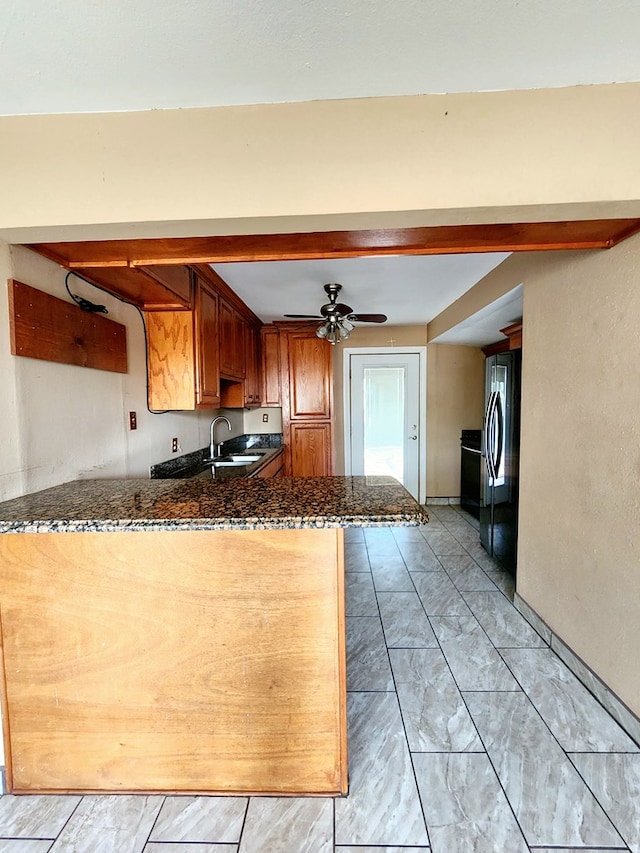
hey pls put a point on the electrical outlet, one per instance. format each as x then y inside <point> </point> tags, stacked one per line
<point>174,445</point>
<point>265,417</point>
<point>133,420</point>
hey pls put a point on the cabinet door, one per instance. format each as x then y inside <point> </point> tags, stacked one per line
<point>239,339</point>
<point>310,376</point>
<point>273,468</point>
<point>270,362</point>
<point>171,360</point>
<point>310,449</point>
<point>206,322</point>
<point>227,339</point>
<point>252,366</point>
<point>232,363</point>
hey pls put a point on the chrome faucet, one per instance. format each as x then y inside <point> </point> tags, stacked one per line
<point>214,449</point>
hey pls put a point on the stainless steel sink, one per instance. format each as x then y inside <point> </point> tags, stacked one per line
<point>235,460</point>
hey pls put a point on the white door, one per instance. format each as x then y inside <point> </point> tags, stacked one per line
<point>384,418</point>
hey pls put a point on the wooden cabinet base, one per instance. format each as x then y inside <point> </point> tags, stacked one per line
<point>185,661</point>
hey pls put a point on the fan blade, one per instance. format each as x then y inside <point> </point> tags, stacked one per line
<point>342,309</point>
<point>304,316</point>
<point>368,318</point>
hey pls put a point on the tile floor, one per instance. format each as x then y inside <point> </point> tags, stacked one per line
<point>466,733</point>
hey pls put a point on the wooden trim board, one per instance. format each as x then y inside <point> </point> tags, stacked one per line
<point>45,327</point>
<point>431,240</point>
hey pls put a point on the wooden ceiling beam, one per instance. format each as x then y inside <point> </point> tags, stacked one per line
<point>434,240</point>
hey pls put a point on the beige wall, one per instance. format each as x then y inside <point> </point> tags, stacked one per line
<point>372,162</point>
<point>454,399</point>
<point>579,551</point>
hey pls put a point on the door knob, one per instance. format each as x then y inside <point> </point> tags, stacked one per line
<point>413,437</point>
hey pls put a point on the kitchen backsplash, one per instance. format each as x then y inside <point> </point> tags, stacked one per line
<point>170,467</point>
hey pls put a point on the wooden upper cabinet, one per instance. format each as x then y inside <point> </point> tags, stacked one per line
<point>171,360</point>
<point>270,366</point>
<point>206,324</point>
<point>232,355</point>
<point>245,393</point>
<point>253,379</point>
<point>309,361</point>
<point>183,354</point>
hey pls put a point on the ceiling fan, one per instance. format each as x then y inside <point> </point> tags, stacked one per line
<point>337,317</point>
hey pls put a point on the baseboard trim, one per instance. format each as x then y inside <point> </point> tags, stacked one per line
<point>594,684</point>
<point>453,501</point>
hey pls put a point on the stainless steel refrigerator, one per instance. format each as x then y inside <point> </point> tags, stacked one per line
<point>500,452</point>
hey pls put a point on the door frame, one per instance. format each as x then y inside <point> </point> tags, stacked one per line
<point>422,405</point>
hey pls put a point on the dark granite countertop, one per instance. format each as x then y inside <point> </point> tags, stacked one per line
<point>204,503</point>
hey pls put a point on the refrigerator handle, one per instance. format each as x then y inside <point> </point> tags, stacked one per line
<point>499,425</point>
<point>488,434</point>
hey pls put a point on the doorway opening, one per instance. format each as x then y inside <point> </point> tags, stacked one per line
<point>385,414</point>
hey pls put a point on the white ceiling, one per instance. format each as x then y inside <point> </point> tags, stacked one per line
<point>407,289</point>
<point>94,56</point>
<point>482,328</point>
<point>110,55</point>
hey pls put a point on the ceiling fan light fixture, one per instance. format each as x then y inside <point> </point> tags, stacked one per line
<point>343,330</point>
<point>337,317</point>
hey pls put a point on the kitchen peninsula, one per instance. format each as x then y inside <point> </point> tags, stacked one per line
<point>181,635</point>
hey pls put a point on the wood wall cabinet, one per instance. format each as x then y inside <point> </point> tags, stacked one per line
<point>306,366</point>
<point>270,366</point>
<point>246,392</point>
<point>183,354</point>
<point>207,344</point>
<point>253,382</point>
<point>232,361</point>
<point>207,357</point>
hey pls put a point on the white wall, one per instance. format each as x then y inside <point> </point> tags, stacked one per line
<point>63,422</point>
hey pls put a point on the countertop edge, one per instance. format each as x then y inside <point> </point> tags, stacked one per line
<point>136,525</point>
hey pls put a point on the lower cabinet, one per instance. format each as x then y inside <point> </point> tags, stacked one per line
<point>274,468</point>
<point>311,449</point>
